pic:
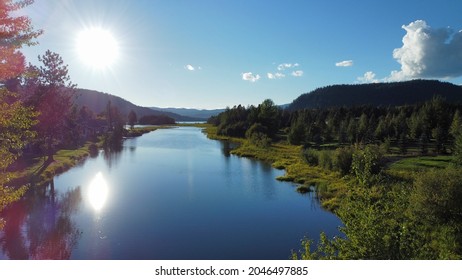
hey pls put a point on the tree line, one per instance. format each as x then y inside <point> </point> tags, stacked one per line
<point>430,127</point>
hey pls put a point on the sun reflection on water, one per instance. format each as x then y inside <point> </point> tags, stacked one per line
<point>98,191</point>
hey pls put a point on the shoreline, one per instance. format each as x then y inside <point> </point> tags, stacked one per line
<point>37,171</point>
<point>330,187</point>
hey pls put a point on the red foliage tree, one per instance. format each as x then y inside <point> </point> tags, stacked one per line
<point>15,31</point>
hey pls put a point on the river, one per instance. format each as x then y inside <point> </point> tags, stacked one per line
<point>169,194</point>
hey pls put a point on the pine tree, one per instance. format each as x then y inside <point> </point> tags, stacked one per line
<point>458,150</point>
<point>132,118</point>
<point>52,98</point>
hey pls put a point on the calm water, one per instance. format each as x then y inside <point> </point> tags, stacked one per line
<point>169,194</point>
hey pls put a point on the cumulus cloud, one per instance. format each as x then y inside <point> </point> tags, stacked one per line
<point>249,76</point>
<point>368,77</point>
<point>428,53</point>
<point>281,72</point>
<point>297,73</point>
<point>284,66</point>
<point>189,67</point>
<point>345,63</point>
<point>277,75</point>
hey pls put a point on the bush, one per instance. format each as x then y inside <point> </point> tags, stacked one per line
<point>311,156</point>
<point>366,163</point>
<point>342,160</point>
<point>436,207</point>
<point>260,140</point>
<point>234,130</point>
<point>93,150</point>
<point>325,159</point>
<point>437,196</point>
<point>257,135</point>
<point>256,128</point>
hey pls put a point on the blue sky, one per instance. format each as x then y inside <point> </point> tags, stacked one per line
<point>216,53</point>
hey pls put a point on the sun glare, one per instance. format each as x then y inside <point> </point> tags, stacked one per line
<point>98,191</point>
<point>97,48</point>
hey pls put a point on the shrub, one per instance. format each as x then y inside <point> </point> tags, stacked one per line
<point>437,196</point>
<point>93,149</point>
<point>311,156</point>
<point>257,135</point>
<point>260,140</point>
<point>342,160</point>
<point>256,128</point>
<point>325,159</point>
<point>366,163</point>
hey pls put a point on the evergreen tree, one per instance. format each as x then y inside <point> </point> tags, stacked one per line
<point>52,99</point>
<point>362,128</point>
<point>456,125</point>
<point>268,116</point>
<point>458,150</point>
<point>297,133</point>
<point>352,131</point>
<point>132,118</point>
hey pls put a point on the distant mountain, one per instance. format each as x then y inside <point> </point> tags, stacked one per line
<point>378,94</point>
<point>192,113</point>
<point>97,102</point>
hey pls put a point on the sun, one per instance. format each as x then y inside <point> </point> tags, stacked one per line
<point>97,48</point>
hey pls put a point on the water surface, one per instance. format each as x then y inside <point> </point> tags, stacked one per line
<point>169,194</point>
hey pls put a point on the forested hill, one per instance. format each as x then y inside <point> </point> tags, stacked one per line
<point>97,102</point>
<point>378,94</point>
<point>193,113</point>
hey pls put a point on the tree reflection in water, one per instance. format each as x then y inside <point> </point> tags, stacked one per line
<point>40,225</point>
<point>112,155</point>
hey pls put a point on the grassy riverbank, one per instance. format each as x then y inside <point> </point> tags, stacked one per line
<point>331,186</point>
<point>38,170</point>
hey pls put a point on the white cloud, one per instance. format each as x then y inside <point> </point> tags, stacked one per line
<point>345,63</point>
<point>297,73</point>
<point>284,66</point>
<point>248,76</point>
<point>428,53</point>
<point>368,77</point>
<point>189,67</point>
<point>277,75</point>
